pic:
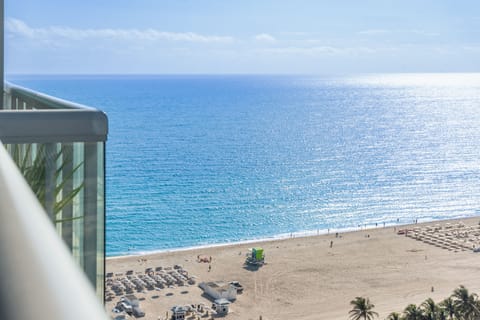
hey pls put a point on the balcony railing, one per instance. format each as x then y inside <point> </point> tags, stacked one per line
<point>38,277</point>
<point>59,148</point>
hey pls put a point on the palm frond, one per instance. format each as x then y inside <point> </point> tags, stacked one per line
<point>34,169</point>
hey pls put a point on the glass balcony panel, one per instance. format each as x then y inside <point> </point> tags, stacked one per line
<point>39,276</point>
<point>61,154</point>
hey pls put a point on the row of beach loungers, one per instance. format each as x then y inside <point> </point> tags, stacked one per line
<point>118,284</point>
<point>453,237</point>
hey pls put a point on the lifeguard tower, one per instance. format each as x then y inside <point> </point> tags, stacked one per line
<point>255,257</point>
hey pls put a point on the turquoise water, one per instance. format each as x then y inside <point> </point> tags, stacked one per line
<point>202,160</point>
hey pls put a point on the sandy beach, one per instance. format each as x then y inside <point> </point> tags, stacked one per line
<point>316,277</point>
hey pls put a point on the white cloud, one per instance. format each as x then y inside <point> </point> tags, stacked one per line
<point>265,37</point>
<point>20,28</point>
<point>318,50</point>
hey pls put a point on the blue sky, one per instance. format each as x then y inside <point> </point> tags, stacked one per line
<point>243,36</point>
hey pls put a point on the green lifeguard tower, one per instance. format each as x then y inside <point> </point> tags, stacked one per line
<point>256,256</point>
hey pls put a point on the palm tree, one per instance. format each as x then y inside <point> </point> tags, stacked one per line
<point>442,315</point>
<point>411,312</point>
<point>448,306</point>
<point>465,303</point>
<point>362,309</point>
<point>32,163</point>
<point>430,309</point>
<point>393,316</point>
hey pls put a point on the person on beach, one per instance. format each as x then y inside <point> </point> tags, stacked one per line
<point>331,244</point>
<point>209,267</point>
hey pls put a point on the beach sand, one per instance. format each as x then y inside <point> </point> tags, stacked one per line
<point>304,278</point>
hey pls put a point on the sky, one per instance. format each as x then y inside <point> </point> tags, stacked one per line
<point>241,37</point>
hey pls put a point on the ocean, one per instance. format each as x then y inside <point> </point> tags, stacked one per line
<point>195,160</point>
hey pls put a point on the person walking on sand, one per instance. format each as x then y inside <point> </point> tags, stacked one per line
<point>331,244</point>
<point>209,267</point>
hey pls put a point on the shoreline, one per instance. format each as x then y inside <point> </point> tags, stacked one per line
<point>283,236</point>
<point>315,277</point>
